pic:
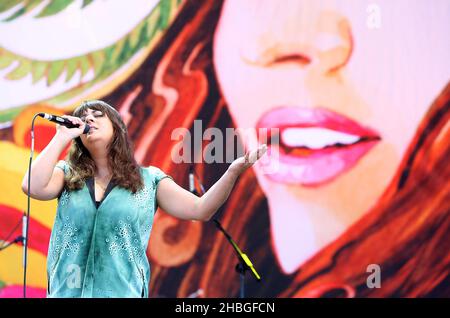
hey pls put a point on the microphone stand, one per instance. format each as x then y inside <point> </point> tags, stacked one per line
<point>16,240</point>
<point>26,216</point>
<point>244,264</point>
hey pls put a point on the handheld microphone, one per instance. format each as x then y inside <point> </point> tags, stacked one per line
<point>63,121</point>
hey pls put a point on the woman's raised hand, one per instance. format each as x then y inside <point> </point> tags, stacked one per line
<point>243,163</point>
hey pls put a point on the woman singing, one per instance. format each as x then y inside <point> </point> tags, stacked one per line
<point>106,205</point>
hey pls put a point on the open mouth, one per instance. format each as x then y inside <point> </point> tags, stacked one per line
<point>314,145</point>
<point>306,141</point>
<point>295,141</point>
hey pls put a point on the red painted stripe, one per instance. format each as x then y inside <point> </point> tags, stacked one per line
<point>39,234</point>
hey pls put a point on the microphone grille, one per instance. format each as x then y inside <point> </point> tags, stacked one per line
<point>86,129</point>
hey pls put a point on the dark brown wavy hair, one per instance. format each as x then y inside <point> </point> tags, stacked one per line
<point>126,171</point>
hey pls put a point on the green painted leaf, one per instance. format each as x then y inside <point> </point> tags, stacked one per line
<point>5,5</point>
<point>165,7</point>
<point>38,70</point>
<point>20,71</point>
<point>134,36</point>
<point>15,15</point>
<point>71,68</point>
<point>125,52</point>
<point>55,71</point>
<point>143,39</point>
<point>5,59</point>
<point>54,7</point>
<point>115,50</point>
<point>153,23</point>
<point>84,66</point>
<point>28,6</point>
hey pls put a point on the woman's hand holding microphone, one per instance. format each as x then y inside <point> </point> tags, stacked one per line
<point>67,134</point>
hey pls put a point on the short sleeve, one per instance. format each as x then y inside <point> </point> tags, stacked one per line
<point>63,166</point>
<point>159,175</point>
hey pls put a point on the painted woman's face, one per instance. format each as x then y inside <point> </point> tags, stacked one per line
<point>347,84</point>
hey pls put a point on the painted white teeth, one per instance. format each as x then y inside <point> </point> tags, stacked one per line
<point>315,138</point>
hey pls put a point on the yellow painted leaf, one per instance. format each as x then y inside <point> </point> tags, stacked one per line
<point>20,71</point>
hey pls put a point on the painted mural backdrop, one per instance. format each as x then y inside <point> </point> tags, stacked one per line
<point>358,90</point>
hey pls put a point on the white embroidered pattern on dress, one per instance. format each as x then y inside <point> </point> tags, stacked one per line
<point>124,241</point>
<point>65,196</point>
<point>66,240</point>
<point>141,197</point>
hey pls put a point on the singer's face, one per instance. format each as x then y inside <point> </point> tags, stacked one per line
<point>101,131</point>
<point>328,74</point>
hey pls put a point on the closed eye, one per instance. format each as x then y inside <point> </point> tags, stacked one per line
<point>96,115</point>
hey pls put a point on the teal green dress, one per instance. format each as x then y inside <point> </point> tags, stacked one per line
<point>101,251</point>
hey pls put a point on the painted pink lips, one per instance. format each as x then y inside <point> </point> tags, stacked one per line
<point>315,145</point>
